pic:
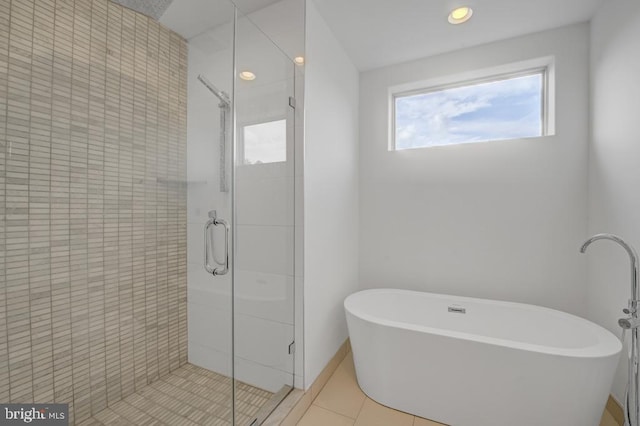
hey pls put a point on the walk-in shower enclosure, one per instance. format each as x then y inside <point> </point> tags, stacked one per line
<point>122,134</point>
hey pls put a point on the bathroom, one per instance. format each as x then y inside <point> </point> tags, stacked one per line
<point>131,137</point>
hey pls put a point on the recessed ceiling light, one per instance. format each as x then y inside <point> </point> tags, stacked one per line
<point>460,15</point>
<point>247,75</point>
<point>299,60</point>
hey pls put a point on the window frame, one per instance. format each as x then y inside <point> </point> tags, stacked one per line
<point>543,66</point>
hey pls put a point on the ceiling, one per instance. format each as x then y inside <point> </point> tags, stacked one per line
<point>154,9</point>
<point>206,24</point>
<point>376,33</point>
<point>192,17</point>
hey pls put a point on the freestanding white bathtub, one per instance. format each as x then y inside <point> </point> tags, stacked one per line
<point>496,364</point>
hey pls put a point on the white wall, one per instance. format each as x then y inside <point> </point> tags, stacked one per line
<point>330,192</point>
<point>500,220</point>
<point>614,167</point>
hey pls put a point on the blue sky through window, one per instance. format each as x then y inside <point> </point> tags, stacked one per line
<point>504,109</point>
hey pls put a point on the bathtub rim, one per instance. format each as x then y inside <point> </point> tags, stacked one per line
<point>608,344</point>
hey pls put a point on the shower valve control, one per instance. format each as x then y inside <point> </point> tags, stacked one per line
<point>633,307</point>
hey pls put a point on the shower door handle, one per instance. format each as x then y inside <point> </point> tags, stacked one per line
<point>214,221</point>
<point>225,268</point>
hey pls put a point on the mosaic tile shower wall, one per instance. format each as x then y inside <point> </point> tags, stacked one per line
<point>92,202</point>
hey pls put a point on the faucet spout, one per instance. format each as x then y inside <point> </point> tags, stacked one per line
<point>632,323</point>
<point>633,257</point>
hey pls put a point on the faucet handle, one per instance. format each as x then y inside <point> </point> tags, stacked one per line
<point>629,323</point>
<point>632,307</point>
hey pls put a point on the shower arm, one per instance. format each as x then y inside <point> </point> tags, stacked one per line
<point>225,110</point>
<point>225,102</point>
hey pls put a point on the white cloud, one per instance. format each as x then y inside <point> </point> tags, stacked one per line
<point>470,113</point>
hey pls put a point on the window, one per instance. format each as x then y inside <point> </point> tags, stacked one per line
<point>506,106</point>
<point>265,142</point>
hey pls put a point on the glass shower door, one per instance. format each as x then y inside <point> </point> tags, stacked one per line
<point>209,145</point>
<point>241,218</point>
<point>263,225</point>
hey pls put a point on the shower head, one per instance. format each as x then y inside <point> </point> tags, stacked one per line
<point>224,98</point>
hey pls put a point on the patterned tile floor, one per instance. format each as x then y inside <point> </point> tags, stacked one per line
<point>342,403</point>
<point>189,396</point>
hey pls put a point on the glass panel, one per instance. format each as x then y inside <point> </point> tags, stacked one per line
<point>209,145</point>
<point>117,155</point>
<point>265,142</point>
<point>505,109</point>
<point>264,225</point>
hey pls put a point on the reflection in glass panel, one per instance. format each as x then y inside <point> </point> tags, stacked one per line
<point>265,142</point>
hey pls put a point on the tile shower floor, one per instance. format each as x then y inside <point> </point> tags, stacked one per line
<point>342,403</point>
<point>188,396</point>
